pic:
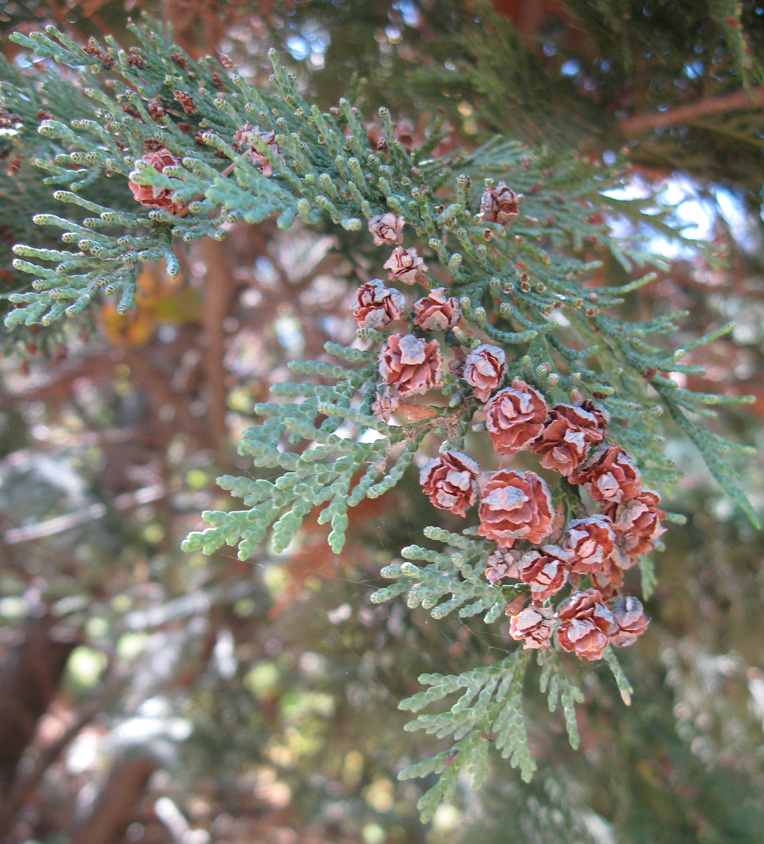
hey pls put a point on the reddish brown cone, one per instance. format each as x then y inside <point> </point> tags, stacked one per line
<point>406,267</point>
<point>500,204</point>
<point>501,565</point>
<point>630,620</point>
<point>410,365</point>
<point>637,522</point>
<point>449,481</point>
<point>610,475</point>
<point>386,229</point>
<point>591,543</point>
<point>546,569</point>
<point>515,417</point>
<point>484,370</point>
<point>586,624</point>
<point>374,305</point>
<point>437,311</point>
<point>157,197</point>
<point>515,505</point>
<point>533,626</point>
<point>569,433</point>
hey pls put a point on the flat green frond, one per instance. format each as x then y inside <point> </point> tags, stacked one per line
<point>488,712</point>
<point>333,473</point>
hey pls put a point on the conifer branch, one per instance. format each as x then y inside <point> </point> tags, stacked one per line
<point>512,327</point>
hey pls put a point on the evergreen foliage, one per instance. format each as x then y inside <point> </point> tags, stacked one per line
<point>527,289</point>
<point>648,57</point>
<point>489,710</point>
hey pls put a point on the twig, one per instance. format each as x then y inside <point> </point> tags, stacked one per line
<point>88,514</point>
<point>217,297</point>
<point>734,101</point>
<point>24,456</point>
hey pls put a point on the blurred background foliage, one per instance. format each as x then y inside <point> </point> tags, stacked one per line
<point>152,696</point>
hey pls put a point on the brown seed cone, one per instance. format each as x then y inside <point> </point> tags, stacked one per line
<point>406,267</point>
<point>484,370</point>
<point>515,505</point>
<point>586,624</point>
<point>386,228</point>
<point>610,475</point>
<point>244,139</point>
<point>449,481</point>
<point>157,197</point>
<point>592,543</point>
<point>630,620</point>
<point>637,522</point>
<point>597,411</point>
<point>616,565</point>
<point>610,579</point>
<point>515,417</point>
<point>533,626</point>
<point>374,305</point>
<point>410,365</point>
<point>437,311</point>
<point>569,432</point>
<point>501,565</point>
<point>500,204</point>
<point>546,569</point>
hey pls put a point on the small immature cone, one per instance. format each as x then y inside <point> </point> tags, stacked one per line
<point>610,475</point>
<point>533,626</point>
<point>403,131</point>
<point>437,311</point>
<point>410,365</point>
<point>374,305</point>
<point>405,266</point>
<point>637,522</point>
<point>546,569</point>
<point>449,481</point>
<point>385,405</point>
<point>586,624</point>
<point>630,620</point>
<point>500,204</point>
<point>244,139</point>
<point>591,543</point>
<point>515,505</point>
<point>569,433</point>
<point>501,565</point>
<point>484,370</point>
<point>515,417</point>
<point>386,228</point>
<point>157,197</point>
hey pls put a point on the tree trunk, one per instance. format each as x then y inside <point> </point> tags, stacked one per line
<point>29,677</point>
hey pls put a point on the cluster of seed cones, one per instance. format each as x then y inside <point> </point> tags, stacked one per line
<point>537,553</point>
<point>535,546</point>
<point>514,507</point>
<point>159,158</point>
